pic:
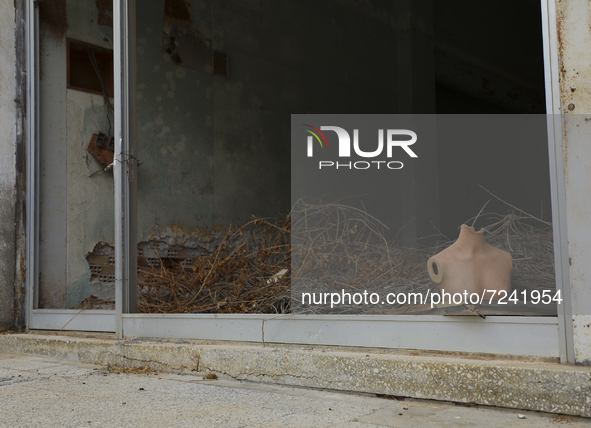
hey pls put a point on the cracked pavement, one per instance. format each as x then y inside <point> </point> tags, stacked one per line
<point>43,392</point>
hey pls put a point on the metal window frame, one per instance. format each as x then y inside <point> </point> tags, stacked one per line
<point>557,178</point>
<point>44,319</point>
<point>32,162</point>
<point>125,163</point>
<point>96,320</point>
<point>536,336</point>
<point>494,335</point>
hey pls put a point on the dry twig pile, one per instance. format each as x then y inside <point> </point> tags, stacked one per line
<point>335,247</point>
<point>339,248</point>
<point>248,273</point>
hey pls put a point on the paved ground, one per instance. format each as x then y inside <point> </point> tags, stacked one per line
<point>40,392</point>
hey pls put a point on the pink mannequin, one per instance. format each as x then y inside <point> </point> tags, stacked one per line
<point>471,264</point>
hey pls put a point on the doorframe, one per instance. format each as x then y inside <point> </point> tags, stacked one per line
<point>44,319</point>
<point>125,162</point>
<point>32,149</point>
<point>557,178</point>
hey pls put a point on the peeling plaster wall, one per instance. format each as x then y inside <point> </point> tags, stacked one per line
<point>76,210</point>
<point>574,35</point>
<point>90,206</point>
<point>8,114</point>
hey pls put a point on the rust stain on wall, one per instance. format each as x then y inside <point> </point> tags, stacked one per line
<point>561,46</point>
<point>220,64</point>
<point>53,18</point>
<point>106,20</point>
<point>104,5</point>
<point>179,10</point>
<point>105,8</point>
<point>185,45</point>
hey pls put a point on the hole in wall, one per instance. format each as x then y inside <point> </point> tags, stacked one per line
<point>81,73</point>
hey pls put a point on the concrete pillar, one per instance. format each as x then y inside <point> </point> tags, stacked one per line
<point>573,25</point>
<point>8,115</point>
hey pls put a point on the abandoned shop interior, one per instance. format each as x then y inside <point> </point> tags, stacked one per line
<point>208,207</point>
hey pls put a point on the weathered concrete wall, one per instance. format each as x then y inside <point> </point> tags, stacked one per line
<point>175,133</point>
<point>216,150</point>
<point>574,35</point>
<point>8,117</point>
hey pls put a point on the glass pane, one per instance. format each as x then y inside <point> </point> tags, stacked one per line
<point>422,214</point>
<point>76,125</point>
<point>217,85</point>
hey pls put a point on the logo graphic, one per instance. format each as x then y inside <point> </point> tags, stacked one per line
<point>392,140</point>
<point>315,134</point>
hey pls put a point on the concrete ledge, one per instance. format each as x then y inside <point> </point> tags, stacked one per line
<point>547,387</point>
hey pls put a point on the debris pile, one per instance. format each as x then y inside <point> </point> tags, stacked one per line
<point>335,247</point>
<point>338,248</point>
<point>247,273</point>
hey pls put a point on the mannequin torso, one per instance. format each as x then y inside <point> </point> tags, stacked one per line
<point>471,264</point>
